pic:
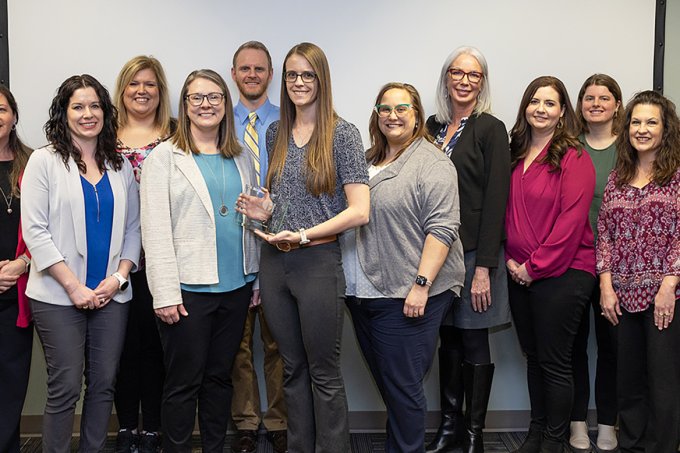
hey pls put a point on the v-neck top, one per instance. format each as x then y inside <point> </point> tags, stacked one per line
<point>98,226</point>
<point>546,218</point>
<point>639,239</point>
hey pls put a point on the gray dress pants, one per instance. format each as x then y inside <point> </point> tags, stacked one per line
<point>303,292</point>
<point>78,342</point>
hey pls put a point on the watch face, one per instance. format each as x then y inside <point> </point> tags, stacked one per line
<point>124,286</point>
<point>421,281</point>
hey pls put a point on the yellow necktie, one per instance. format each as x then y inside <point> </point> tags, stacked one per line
<point>250,138</point>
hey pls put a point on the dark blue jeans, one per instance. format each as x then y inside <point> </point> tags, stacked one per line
<point>399,352</point>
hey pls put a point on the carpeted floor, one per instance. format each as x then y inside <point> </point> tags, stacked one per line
<point>361,443</point>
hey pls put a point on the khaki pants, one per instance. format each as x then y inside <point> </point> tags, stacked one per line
<point>245,406</point>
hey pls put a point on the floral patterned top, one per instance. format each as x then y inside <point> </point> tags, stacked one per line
<point>639,239</point>
<point>136,156</point>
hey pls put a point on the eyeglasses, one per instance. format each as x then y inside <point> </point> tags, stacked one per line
<point>384,111</point>
<point>458,74</point>
<point>196,99</point>
<point>292,76</point>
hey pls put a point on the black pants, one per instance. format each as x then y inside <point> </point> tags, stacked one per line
<point>547,315</point>
<point>140,376</point>
<point>199,353</point>
<point>15,363</point>
<point>648,383</point>
<point>605,371</point>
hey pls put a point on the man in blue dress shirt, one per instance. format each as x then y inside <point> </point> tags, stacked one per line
<point>252,72</point>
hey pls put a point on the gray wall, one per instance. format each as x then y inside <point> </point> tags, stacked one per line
<point>368,43</point>
<point>671,73</point>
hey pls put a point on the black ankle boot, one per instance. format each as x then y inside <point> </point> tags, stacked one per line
<point>451,429</point>
<point>477,382</point>
<point>554,446</point>
<point>532,443</point>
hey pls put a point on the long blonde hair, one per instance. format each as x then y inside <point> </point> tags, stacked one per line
<point>320,165</point>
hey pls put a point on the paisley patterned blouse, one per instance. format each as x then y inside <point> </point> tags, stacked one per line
<point>639,239</point>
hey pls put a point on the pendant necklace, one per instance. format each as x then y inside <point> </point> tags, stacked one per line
<point>223,210</point>
<point>8,200</point>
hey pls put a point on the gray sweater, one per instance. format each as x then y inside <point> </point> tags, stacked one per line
<point>414,196</point>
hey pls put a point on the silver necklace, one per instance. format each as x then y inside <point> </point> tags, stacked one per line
<point>8,201</point>
<point>223,210</point>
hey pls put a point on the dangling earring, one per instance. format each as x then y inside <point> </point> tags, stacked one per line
<point>560,123</point>
<point>14,126</point>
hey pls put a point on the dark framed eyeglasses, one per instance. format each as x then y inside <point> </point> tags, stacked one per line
<point>384,110</point>
<point>196,99</point>
<point>292,76</point>
<point>457,74</point>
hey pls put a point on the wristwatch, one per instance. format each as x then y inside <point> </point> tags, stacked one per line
<point>303,237</point>
<point>423,281</point>
<point>123,283</point>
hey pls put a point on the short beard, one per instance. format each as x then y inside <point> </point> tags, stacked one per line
<point>252,96</point>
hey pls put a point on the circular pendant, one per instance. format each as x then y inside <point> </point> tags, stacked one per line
<point>223,210</point>
<point>9,210</point>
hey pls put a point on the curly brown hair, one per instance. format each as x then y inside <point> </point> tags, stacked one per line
<point>667,160</point>
<point>564,136</point>
<point>59,134</point>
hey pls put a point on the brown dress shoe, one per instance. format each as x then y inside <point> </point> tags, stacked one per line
<point>279,440</point>
<point>245,441</point>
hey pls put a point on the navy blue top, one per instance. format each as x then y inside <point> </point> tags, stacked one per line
<point>98,225</point>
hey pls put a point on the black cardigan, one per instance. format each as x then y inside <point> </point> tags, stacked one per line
<point>482,159</point>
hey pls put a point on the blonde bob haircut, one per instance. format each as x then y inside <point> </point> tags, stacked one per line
<point>320,165</point>
<point>164,121</point>
<point>227,143</point>
<point>443,103</point>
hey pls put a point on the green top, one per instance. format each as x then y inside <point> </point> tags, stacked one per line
<point>604,161</point>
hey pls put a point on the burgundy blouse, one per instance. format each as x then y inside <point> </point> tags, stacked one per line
<point>639,239</point>
<point>546,219</point>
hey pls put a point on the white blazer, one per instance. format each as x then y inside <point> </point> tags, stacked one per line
<point>53,223</point>
<point>178,224</point>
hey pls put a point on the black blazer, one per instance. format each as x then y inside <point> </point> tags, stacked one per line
<point>482,159</point>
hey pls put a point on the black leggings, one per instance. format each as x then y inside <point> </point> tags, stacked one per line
<point>473,344</point>
<point>605,374</point>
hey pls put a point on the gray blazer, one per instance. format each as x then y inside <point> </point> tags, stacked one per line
<point>178,224</point>
<point>414,196</point>
<point>53,223</point>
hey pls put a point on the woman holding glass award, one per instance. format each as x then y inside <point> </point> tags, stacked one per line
<point>319,184</point>
<point>200,264</point>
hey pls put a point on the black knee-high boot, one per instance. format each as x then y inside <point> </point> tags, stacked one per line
<point>477,380</point>
<point>451,429</point>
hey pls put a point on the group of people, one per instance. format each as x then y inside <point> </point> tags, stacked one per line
<point>444,228</point>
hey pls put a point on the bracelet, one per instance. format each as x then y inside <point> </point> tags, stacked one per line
<point>303,237</point>
<point>26,260</point>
